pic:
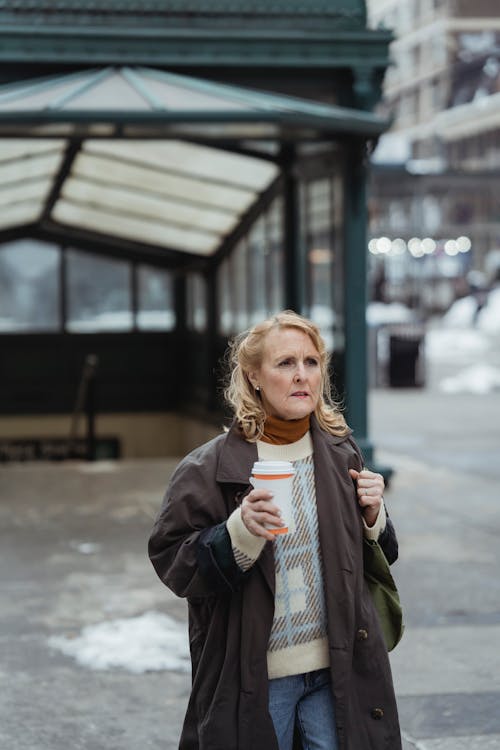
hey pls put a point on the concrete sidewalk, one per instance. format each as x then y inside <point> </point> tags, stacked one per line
<point>73,553</point>
<point>444,500</point>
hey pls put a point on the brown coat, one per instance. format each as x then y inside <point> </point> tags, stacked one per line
<point>230,614</point>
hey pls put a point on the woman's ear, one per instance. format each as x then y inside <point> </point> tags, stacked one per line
<point>253,378</point>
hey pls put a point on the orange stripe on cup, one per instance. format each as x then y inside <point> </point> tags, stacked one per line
<point>272,476</point>
<point>278,530</point>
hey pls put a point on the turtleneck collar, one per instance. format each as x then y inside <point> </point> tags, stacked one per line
<point>283,431</point>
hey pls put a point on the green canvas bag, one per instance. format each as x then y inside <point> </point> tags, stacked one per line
<point>384,592</point>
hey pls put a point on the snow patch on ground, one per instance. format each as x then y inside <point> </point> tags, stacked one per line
<point>149,642</point>
<point>455,345</point>
<point>97,467</point>
<point>85,548</point>
<point>489,316</point>
<point>463,313</point>
<point>379,313</point>
<point>480,379</point>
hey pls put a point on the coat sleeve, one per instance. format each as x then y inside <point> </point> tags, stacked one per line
<point>189,545</point>
<point>389,542</point>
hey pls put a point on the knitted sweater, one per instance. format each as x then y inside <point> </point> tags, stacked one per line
<point>298,641</point>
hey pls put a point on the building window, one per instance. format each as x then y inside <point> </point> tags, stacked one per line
<point>408,15</point>
<point>439,53</point>
<point>155,300</point>
<point>29,287</point>
<point>196,317</point>
<point>98,294</point>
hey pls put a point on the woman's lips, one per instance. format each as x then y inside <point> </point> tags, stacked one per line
<point>300,394</point>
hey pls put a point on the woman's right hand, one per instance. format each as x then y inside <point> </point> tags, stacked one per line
<point>257,509</point>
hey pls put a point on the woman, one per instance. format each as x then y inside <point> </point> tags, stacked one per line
<point>284,636</point>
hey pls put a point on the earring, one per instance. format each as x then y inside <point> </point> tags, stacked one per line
<point>257,387</point>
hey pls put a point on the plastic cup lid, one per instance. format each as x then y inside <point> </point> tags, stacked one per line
<point>273,467</point>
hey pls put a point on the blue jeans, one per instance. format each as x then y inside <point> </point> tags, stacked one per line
<point>308,699</point>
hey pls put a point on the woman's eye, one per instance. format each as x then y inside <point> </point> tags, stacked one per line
<point>285,363</point>
<point>312,362</point>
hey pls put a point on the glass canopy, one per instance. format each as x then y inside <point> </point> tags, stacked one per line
<point>147,156</point>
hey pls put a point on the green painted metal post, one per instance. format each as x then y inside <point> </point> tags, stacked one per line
<point>180,307</point>
<point>355,297</point>
<point>212,329</point>
<point>180,303</point>
<point>293,271</point>
<point>63,297</point>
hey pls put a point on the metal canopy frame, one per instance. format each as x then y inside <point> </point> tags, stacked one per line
<point>164,165</point>
<point>151,101</point>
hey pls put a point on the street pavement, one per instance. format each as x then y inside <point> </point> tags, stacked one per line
<point>443,498</point>
<point>73,553</point>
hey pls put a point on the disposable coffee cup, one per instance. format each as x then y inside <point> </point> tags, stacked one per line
<point>276,477</point>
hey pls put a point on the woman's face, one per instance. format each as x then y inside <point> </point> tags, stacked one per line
<point>289,377</point>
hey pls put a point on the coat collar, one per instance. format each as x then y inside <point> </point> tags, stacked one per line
<point>327,437</point>
<point>238,455</point>
<point>236,458</point>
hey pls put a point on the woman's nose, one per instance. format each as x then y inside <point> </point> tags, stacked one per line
<point>300,372</point>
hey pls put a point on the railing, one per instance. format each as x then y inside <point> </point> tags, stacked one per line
<point>85,403</point>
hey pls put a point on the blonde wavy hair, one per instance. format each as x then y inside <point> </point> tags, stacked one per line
<point>245,354</point>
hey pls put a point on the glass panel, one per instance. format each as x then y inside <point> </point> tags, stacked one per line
<point>257,268</point>
<point>20,170</point>
<point>99,293</point>
<point>337,240</point>
<point>276,299</point>
<point>192,160</point>
<point>320,257</point>
<point>36,190</point>
<point>36,96</point>
<point>225,297</point>
<point>161,182</point>
<point>133,228</point>
<point>112,93</point>
<point>196,302</point>
<point>29,287</point>
<point>250,281</point>
<point>156,300</point>
<point>163,209</point>
<point>23,213</point>
<point>305,242</point>
<point>239,272</point>
<point>320,204</point>
<point>13,148</point>
<point>184,98</point>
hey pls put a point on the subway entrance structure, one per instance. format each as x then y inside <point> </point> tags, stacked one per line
<point>170,173</point>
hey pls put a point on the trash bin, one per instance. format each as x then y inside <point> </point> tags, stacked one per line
<point>406,367</point>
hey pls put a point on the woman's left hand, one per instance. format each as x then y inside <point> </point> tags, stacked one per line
<point>370,487</point>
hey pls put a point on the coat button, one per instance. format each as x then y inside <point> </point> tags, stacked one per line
<point>362,634</point>
<point>377,713</point>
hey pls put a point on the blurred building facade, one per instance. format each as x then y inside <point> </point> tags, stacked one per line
<point>435,175</point>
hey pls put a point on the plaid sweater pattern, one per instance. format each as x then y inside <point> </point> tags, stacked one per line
<point>299,601</point>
